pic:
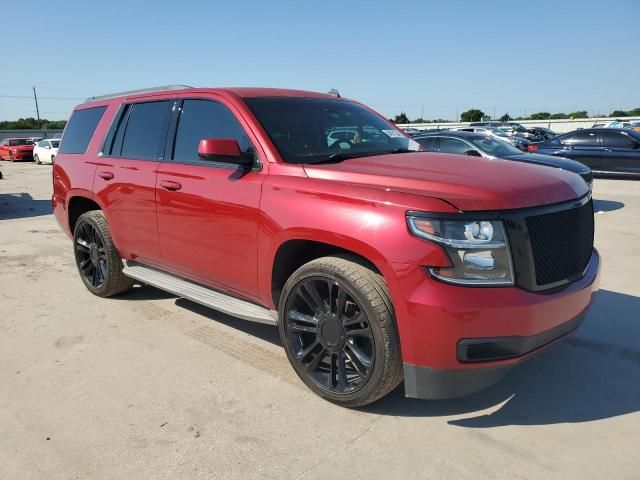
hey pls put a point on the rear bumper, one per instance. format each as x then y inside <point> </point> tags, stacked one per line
<point>457,340</point>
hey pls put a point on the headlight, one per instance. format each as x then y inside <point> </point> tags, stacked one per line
<point>478,249</point>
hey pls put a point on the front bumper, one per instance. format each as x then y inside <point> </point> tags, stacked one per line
<point>458,340</point>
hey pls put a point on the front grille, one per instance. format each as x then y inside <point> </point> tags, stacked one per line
<point>562,243</point>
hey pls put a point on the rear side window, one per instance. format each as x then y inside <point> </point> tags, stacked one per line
<point>80,129</point>
<point>205,119</point>
<point>618,140</point>
<point>145,130</point>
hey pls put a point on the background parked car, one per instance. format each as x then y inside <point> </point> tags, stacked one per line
<point>612,124</point>
<point>45,151</point>
<point>16,149</point>
<point>512,128</point>
<point>488,146</point>
<point>515,140</point>
<point>636,125</point>
<point>607,151</point>
<point>540,134</point>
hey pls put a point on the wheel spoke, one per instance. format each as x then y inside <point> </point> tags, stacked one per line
<point>315,361</point>
<point>84,263</point>
<point>341,302</point>
<point>83,245</point>
<point>302,354</point>
<point>357,366</point>
<point>342,371</point>
<point>302,328</point>
<point>312,291</point>
<point>332,370</point>
<point>94,277</point>
<point>302,317</point>
<point>362,357</point>
<point>356,319</point>
<point>360,332</point>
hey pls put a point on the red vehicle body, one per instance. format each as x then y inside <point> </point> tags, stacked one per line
<point>244,234</point>
<point>16,149</point>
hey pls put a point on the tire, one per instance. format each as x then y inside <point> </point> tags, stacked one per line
<point>36,159</point>
<point>11,157</point>
<point>53,159</point>
<point>99,263</point>
<point>342,340</point>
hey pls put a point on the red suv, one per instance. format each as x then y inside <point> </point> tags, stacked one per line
<point>16,149</point>
<point>377,261</point>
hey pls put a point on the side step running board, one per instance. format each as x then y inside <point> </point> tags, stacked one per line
<point>197,293</point>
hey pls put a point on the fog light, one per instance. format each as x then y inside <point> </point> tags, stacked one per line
<point>478,260</point>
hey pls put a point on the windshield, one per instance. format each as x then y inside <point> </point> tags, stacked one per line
<point>517,127</point>
<point>55,143</point>
<point>315,130</point>
<point>494,146</point>
<point>20,141</point>
<point>499,132</point>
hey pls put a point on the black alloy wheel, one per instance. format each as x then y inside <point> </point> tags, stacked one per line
<point>330,334</point>
<point>91,255</point>
<point>98,261</point>
<point>338,329</point>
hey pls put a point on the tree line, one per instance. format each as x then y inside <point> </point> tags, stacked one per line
<point>32,124</point>
<point>476,115</point>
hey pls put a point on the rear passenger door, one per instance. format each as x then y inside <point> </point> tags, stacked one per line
<point>126,177</point>
<point>583,146</point>
<point>208,210</point>
<point>621,152</point>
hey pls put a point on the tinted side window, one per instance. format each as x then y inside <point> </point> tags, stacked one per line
<point>145,130</point>
<point>80,129</point>
<point>429,143</point>
<point>618,140</point>
<point>581,138</point>
<point>452,145</point>
<point>205,119</point>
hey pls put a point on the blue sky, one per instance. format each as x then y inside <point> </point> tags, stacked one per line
<point>561,55</point>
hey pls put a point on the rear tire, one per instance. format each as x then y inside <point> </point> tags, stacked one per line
<point>98,261</point>
<point>338,329</point>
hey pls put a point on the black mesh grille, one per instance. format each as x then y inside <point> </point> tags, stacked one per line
<point>562,243</point>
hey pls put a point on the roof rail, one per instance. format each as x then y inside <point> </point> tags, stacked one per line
<point>134,92</point>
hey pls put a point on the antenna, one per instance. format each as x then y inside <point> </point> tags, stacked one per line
<point>334,91</point>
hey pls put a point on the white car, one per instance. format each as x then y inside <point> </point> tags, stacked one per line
<point>45,151</point>
<point>613,124</point>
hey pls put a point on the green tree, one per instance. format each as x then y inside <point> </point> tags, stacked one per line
<point>620,113</point>
<point>402,118</point>
<point>555,116</point>
<point>472,115</point>
<point>420,120</point>
<point>506,118</point>
<point>635,112</point>
<point>579,114</point>
<point>540,116</point>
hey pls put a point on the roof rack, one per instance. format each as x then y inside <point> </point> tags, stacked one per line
<point>135,92</point>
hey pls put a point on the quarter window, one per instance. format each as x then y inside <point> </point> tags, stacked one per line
<point>80,129</point>
<point>205,119</point>
<point>145,130</point>
<point>428,143</point>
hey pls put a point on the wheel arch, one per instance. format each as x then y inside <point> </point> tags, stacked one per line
<point>79,204</point>
<point>294,252</point>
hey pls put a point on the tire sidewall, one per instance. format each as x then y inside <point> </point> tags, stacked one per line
<point>365,391</point>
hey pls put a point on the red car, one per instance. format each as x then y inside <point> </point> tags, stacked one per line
<point>16,149</point>
<point>377,261</point>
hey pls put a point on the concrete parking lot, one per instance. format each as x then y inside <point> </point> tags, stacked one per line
<point>149,386</point>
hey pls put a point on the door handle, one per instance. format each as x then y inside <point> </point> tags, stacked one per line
<point>169,185</point>
<point>105,175</point>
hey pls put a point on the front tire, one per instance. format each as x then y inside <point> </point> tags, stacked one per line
<point>98,261</point>
<point>338,329</point>
<point>36,159</point>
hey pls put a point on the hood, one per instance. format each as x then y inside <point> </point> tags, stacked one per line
<point>469,183</point>
<point>550,161</point>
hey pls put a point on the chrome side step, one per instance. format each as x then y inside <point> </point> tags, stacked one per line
<point>197,293</point>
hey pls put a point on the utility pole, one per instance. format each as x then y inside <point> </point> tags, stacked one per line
<point>35,97</point>
<point>422,113</point>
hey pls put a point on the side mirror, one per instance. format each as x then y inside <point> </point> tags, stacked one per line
<point>473,153</point>
<point>224,150</point>
<point>48,147</point>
